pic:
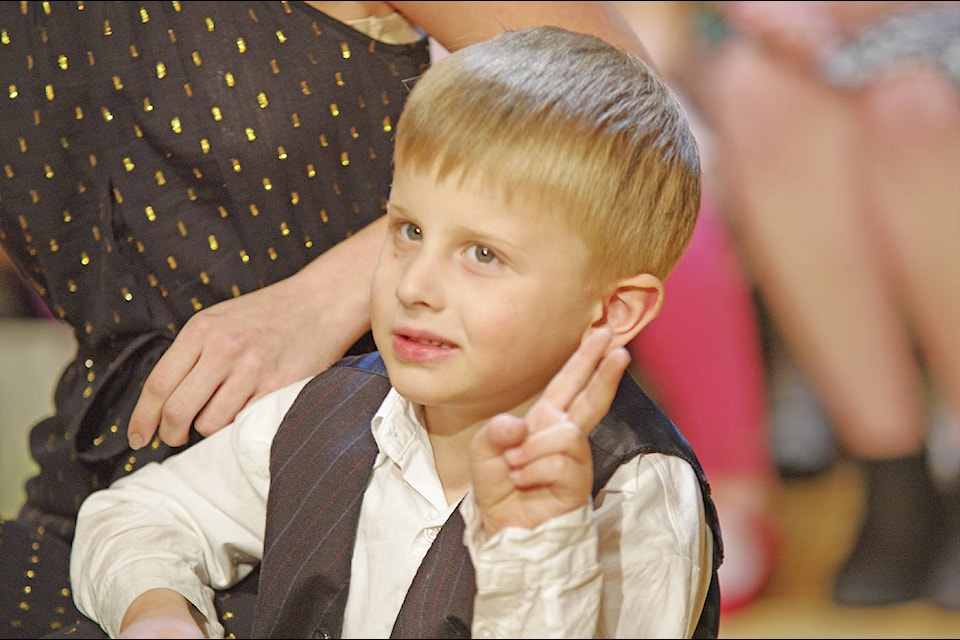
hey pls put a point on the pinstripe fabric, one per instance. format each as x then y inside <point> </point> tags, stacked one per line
<point>320,463</point>
<point>321,459</point>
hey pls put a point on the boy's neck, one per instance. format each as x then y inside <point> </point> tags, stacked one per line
<point>451,456</point>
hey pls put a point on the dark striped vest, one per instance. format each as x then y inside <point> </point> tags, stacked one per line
<point>320,463</point>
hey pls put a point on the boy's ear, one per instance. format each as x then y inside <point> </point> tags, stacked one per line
<point>632,305</point>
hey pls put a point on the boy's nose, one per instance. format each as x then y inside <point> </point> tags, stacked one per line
<point>420,281</point>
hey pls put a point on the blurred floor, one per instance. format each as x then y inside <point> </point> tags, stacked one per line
<point>819,517</point>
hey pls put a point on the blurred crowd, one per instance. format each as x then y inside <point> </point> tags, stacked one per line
<point>831,138</point>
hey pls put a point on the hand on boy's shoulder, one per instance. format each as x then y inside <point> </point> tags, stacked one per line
<point>528,470</point>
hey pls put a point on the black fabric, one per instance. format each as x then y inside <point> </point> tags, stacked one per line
<point>159,158</point>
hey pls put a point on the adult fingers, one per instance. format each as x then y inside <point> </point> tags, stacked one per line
<point>164,380</point>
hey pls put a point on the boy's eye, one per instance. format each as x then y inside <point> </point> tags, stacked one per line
<point>410,231</point>
<point>483,255</point>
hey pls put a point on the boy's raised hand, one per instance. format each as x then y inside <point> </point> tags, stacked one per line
<point>528,470</point>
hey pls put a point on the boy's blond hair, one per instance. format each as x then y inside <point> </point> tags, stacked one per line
<point>572,125</point>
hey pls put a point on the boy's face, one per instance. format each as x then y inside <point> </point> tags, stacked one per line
<point>476,304</point>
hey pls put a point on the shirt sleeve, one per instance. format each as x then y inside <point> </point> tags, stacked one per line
<point>192,523</point>
<point>635,563</point>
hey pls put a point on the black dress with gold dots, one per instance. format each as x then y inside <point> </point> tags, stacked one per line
<point>157,158</point>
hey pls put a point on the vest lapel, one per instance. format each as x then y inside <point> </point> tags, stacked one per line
<point>439,603</point>
<point>320,463</point>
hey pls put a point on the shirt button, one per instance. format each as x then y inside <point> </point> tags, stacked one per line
<point>431,533</point>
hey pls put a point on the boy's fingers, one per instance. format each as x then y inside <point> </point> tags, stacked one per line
<point>500,433</point>
<point>589,406</point>
<point>577,372</point>
<point>561,438</point>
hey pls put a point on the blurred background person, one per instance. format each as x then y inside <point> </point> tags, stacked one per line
<point>837,133</point>
<point>703,356</point>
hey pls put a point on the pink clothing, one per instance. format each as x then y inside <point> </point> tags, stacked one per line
<point>702,357</point>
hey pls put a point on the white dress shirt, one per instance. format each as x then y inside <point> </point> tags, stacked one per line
<point>636,563</point>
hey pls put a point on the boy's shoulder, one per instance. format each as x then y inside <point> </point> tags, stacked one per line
<point>371,362</point>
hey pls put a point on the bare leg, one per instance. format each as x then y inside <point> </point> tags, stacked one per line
<point>850,226</point>
<point>911,141</point>
<point>789,159</point>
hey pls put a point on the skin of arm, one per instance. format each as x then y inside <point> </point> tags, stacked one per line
<point>204,378</point>
<point>161,613</point>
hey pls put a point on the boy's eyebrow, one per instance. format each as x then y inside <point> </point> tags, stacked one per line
<point>397,207</point>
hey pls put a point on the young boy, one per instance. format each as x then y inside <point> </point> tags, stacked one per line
<point>492,470</point>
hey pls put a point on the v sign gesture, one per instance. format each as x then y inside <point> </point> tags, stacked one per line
<point>528,470</point>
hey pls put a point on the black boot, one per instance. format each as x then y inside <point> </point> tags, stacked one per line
<point>899,535</point>
<point>943,583</point>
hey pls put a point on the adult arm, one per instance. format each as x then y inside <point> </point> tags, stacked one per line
<point>458,24</point>
<point>239,350</point>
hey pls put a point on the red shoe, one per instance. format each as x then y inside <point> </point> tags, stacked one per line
<point>751,543</point>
